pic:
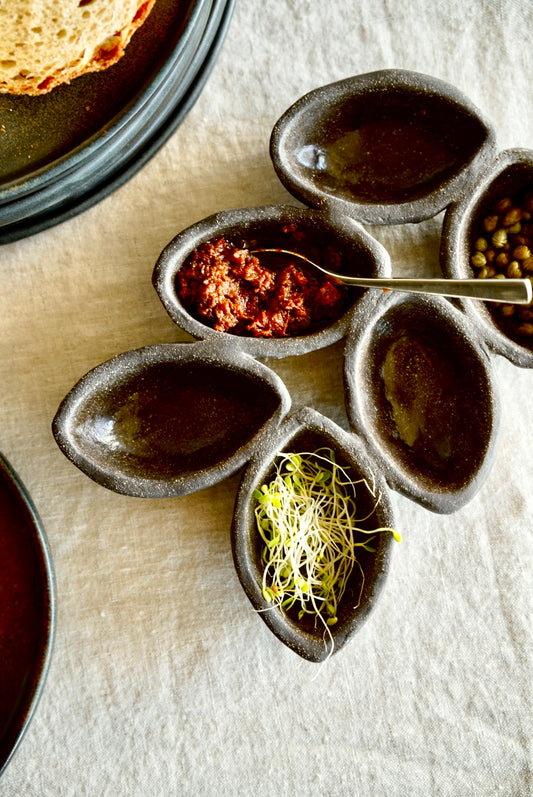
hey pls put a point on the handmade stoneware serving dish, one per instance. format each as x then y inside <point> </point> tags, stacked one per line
<point>309,431</point>
<point>394,146</point>
<point>420,393</point>
<point>386,147</point>
<point>27,610</point>
<point>318,235</point>
<point>169,419</point>
<point>489,231</point>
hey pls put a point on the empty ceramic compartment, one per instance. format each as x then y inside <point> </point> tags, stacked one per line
<point>169,419</point>
<point>309,431</point>
<point>386,147</point>
<point>419,392</point>
<point>334,240</point>
<point>490,231</point>
<point>27,610</point>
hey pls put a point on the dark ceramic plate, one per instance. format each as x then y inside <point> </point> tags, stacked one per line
<point>27,610</point>
<point>64,151</point>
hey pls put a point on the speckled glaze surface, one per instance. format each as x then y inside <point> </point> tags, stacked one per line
<point>309,430</point>
<point>511,172</point>
<point>420,393</point>
<point>169,419</point>
<point>360,251</point>
<point>385,147</point>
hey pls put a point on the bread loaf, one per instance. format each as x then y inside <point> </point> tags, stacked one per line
<point>44,43</point>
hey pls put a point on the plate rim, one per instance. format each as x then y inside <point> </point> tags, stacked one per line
<point>45,207</point>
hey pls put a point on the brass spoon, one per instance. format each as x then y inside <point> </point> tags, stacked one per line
<point>509,291</point>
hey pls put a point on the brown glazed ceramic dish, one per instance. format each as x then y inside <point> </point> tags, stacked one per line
<point>420,393</point>
<point>510,175</point>
<point>385,147</point>
<point>264,227</point>
<point>169,419</point>
<point>308,430</point>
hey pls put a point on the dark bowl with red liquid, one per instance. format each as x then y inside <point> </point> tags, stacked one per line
<point>27,610</point>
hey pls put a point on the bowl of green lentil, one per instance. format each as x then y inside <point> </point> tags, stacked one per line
<point>489,233</point>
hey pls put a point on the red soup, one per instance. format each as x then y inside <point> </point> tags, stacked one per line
<point>25,612</point>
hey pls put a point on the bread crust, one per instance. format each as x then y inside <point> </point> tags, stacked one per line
<point>22,72</point>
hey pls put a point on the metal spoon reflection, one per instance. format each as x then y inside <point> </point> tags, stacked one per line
<point>508,291</point>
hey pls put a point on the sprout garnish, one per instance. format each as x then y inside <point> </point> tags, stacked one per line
<point>307,518</point>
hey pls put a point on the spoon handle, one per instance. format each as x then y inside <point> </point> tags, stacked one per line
<point>509,291</point>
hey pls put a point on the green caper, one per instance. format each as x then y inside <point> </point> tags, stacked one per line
<point>478,260</point>
<point>503,204</point>
<point>521,252</point>
<point>513,270</point>
<point>507,310</point>
<point>499,238</point>
<point>490,223</point>
<point>512,216</point>
<point>502,260</point>
<point>503,249</point>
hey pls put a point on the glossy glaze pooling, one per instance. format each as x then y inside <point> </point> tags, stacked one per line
<point>420,391</point>
<point>308,430</point>
<point>168,419</point>
<point>433,412</point>
<point>389,146</point>
<point>388,149</point>
<point>173,418</point>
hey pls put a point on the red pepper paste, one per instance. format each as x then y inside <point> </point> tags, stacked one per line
<point>227,287</point>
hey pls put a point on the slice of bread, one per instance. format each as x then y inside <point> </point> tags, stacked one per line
<point>44,43</point>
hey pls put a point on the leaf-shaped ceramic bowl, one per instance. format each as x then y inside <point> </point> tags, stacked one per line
<point>169,419</point>
<point>479,217</point>
<point>420,393</point>
<point>385,147</point>
<point>309,232</point>
<point>307,431</point>
<point>27,610</point>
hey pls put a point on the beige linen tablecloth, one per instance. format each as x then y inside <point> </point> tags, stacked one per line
<point>163,680</point>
